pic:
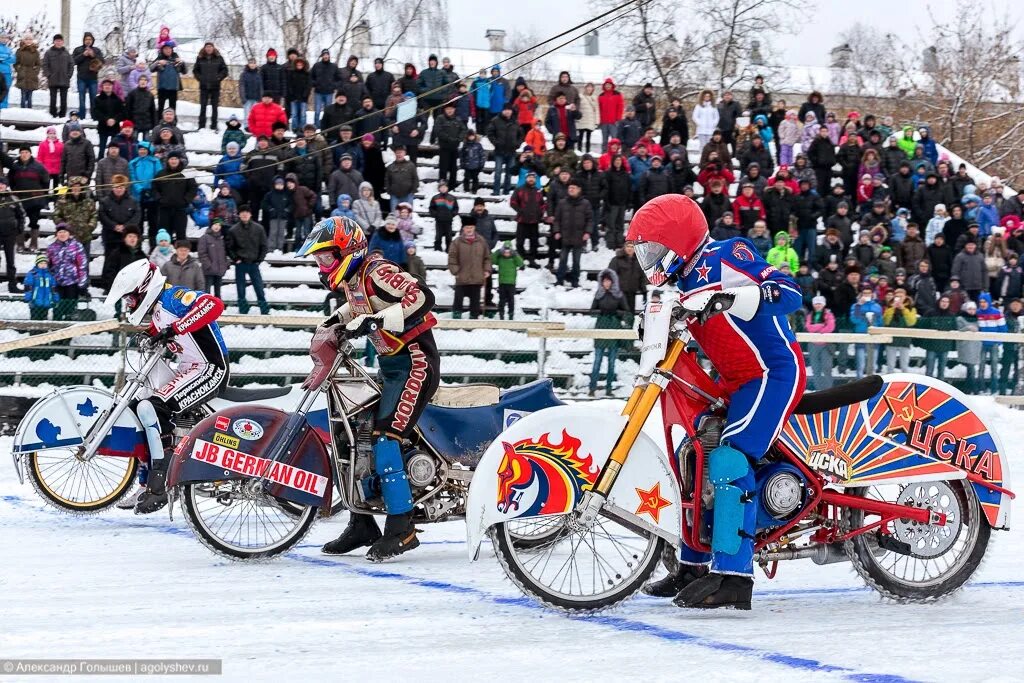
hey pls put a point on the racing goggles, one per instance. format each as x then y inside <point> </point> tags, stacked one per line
<point>657,261</point>
<point>326,259</point>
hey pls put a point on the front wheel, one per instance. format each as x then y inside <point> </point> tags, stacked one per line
<point>941,558</point>
<point>576,568</point>
<point>78,485</point>
<point>233,520</point>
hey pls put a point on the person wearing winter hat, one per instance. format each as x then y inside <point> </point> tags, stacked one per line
<point>820,320</point>
<point>26,61</point>
<point>163,251</point>
<point>57,67</point>
<point>210,69</point>
<point>89,60</point>
<point>509,263</point>
<point>324,77</point>
<point>273,80</point>
<point>40,289</point>
<point>414,264</point>
<point>12,222</point>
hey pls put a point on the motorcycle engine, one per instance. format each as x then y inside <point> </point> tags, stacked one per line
<point>783,490</point>
<point>421,468</point>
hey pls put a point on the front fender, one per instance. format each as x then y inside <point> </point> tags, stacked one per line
<point>63,418</point>
<point>544,463</point>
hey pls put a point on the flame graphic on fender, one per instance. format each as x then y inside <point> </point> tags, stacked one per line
<point>558,470</point>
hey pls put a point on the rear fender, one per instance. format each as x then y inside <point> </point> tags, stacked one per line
<point>917,428</point>
<point>237,443</point>
<point>544,463</point>
<point>63,418</point>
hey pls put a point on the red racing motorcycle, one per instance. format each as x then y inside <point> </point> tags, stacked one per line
<point>894,474</point>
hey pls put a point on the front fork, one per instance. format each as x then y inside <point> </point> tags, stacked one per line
<point>638,409</point>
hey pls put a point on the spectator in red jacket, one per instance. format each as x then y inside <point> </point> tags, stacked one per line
<point>785,176</point>
<point>714,170</point>
<point>611,107</point>
<point>265,114</point>
<point>648,141</point>
<point>614,150</point>
<point>747,209</point>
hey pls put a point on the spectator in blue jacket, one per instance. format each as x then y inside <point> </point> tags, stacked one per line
<point>864,313</point>
<point>990,319</point>
<point>501,91</point>
<point>141,170</point>
<point>931,151</point>
<point>229,168</point>
<point>388,241</point>
<point>40,289</point>
<point>481,90</point>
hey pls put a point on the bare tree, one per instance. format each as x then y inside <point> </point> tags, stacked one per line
<point>872,64</point>
<point>137,20</point>
<point>734,26</point>
<point>37,24</point>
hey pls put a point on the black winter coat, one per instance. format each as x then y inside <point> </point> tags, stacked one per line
<point>117,259</point>
<point>901,189</point>
<point>593,186</point>
<point>573,219</point>
<point>108,107</point>
<point>631,275</point>
<point>210,70</point>
<point>12,218</point>
<point>618,188</point>
<point>307,167</point>
<point>378,84</point>
<point>31,181</point>
<point>821,153</point>
<point>173,189</point>
<point>298,84</point>
<point>777,208</point>
<point>324,76</point>
<point>114,211</point>
<point>77,159</point>
<point>273,76</point>
<point>807,208</point>
<point>504,134</point>
<point>450,131</point>
<point>140,108</point>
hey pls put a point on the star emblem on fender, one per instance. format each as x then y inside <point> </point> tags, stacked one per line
<point>651,502</point>
<point>703,271</point>
<point>905,411</point>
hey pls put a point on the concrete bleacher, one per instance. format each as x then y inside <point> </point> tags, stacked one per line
<point>292,285</point>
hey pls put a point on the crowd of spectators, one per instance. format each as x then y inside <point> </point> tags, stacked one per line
<point>877,226</point>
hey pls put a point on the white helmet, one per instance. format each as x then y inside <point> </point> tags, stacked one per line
<point>140,284</point>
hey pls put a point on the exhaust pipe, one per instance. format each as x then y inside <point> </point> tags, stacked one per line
<point>820,554</point>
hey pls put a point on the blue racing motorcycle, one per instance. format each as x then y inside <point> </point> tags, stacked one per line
<point>251,479</point>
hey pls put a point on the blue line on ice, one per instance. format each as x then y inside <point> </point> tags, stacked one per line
<point>614,622</point>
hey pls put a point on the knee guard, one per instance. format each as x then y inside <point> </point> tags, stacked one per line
<point>394,485</point>
<point>728,468</point>
<point>151,428</point>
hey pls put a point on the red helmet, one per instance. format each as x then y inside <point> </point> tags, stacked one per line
<point>668,232</point>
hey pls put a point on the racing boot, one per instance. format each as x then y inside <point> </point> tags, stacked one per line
<point>399,537</point>
<point>155,496</point>
<point>129,502</point>
<point>670,586</point>
<point>717,590</point>
<point>362,530</point>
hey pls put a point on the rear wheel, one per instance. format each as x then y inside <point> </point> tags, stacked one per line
<point>575,568</point>
<point>940,559</point>
<point>74,484</point>
<point>232,519</point>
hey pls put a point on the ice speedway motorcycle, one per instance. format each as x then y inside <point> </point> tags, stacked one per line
<point>252,479</point>
<point>894,474</point>
<point>81,447</point>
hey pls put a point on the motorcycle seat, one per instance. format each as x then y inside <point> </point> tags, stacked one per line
<point>240,395</point>
<point>843,395</point>
<point>466,396</point>
<point>463,434</point>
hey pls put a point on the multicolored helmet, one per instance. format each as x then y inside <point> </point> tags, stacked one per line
<point>339,246</point>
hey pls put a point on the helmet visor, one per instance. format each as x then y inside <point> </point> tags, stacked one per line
<point>650,254</point>
<point>326,259</point>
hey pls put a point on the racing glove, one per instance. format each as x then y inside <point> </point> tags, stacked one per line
<point>741,302</point>
<point>163,336</point>
<point>391,319</point>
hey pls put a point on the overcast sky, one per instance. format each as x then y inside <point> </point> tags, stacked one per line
<point>810,46</point>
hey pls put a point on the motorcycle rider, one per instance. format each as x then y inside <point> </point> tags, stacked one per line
<point>184,320</point>
<point>739,303</point>
<point>393,309</point>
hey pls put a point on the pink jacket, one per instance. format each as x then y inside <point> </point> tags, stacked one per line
<point>826,327</point>
<point>49,155</point>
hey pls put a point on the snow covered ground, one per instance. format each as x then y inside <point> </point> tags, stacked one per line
<point>116,585</point>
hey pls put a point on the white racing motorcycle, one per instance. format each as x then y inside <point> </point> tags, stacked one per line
<point>81,447</point>
<point>894,474</point>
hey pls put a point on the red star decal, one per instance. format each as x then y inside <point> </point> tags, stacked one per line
<point>703,271</point>
<point>905,411</point>
<point>651,502</point>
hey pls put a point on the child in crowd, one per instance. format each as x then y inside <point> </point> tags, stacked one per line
<point>407,223</point>
<point>277,211</point>
<point>344,207</point>
<point>443,209</point>
<point>163,251</point>
<point>40,289</point>
<point>414,264</point>
<point>509,263</point>
<point>367,210</point>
